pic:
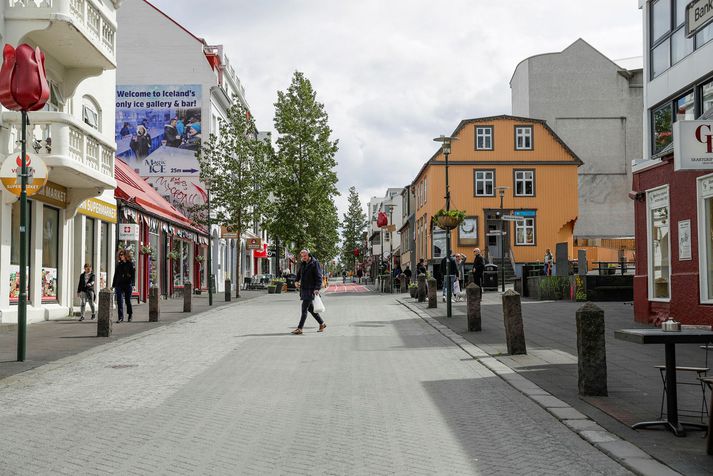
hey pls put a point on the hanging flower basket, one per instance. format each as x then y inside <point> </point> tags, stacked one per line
<point>200,258</point>
<point>449,220</point>
<point>173,254</point>
<point>146,250</point>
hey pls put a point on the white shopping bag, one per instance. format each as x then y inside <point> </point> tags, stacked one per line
<point>456,287</point>
<point>318,304</point>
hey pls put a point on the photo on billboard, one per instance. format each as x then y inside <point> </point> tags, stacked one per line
<point>158,128</point>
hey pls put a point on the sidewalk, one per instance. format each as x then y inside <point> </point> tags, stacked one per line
<point>52,340</point>
<point>634,384</point>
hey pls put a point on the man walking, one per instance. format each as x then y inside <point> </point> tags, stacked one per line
<point>478,267</point>
<point>309,278</point>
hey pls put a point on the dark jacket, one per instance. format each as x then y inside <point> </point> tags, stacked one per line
<point>453,267</point>
<point>420,269</point>
<point>479,265</point>
<point>407,272</point>
<point>124,275</point>
<point>88,286</point>
<point>310,277</point>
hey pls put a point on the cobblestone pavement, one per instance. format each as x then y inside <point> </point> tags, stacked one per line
<point>231,392</point>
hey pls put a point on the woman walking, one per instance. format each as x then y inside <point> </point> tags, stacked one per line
<point>85,290</point>
<point>123,284</point>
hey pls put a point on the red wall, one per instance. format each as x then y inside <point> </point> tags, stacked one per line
<point>685,298</point>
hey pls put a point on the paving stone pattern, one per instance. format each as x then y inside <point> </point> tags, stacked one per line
<point>231,392</point>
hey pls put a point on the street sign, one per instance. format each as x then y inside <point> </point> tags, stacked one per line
<point>513,218</point>
<point>391,228</point>
<point>12,167</point>
<point>495,233</point>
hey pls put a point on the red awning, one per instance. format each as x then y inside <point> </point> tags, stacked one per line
<point>130,187</point>
<point>261,254</point>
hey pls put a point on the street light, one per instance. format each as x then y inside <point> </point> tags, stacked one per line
<point>210,246</point>
<point>501,192</point>
<point>446,149</point>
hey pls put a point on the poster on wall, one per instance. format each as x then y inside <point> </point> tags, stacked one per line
<point>15,283</point>
<point>49,284</point>
<point>684,240</point>
<point>158,128</point>
<point>468,231</point>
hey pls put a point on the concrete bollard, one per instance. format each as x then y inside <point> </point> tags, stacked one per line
<point>104,316</point>
<point>514,330</point>
<point>187,296</point>
<point>474,295</point>
<point>154,307</point>
<point>421,288</point>
<point>591,351</point>
<point>404,283</point>
<point>228,284</point>
<point>432,293</point>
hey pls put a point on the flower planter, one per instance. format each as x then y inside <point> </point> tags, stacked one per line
<point>271,289</point>
<point>447,222</point>
<point>413,292</point>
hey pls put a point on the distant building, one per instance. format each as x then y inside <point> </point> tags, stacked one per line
<point>673,180</point>
<point>595,106</point>
<point>390,204</point>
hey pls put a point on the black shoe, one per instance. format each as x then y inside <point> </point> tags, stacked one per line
<point>129,318</point>
<point>93,317</point>
<point>81,318</point>
<point>121,319</point>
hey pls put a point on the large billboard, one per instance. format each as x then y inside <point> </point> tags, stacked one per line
<point>158,131</point>
<point>158,128</point>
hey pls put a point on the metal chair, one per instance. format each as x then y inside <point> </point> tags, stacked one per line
<point>701,373</point>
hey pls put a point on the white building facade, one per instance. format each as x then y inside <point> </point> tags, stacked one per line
<point>72,220</point>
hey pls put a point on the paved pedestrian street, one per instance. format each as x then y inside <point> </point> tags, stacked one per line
<point>232,392</point>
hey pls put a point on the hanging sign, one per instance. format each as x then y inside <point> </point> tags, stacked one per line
<point>128,232</point>
<point>253,244</point>
<point>12,167</point>
<point>699,14</point>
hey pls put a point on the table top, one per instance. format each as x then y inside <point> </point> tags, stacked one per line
<point>657,336</point>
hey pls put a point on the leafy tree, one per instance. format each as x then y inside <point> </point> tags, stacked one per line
<point>233,167</point>
<point>353,226</point>
<point>303,180</point>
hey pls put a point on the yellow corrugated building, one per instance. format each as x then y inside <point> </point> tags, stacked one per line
<point>522,154</point>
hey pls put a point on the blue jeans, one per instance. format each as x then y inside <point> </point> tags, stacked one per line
<point>123,294</point>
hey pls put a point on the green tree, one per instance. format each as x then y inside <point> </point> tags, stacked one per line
<point>304,182</point>
<point>233,166</point>
<point>353,225</point>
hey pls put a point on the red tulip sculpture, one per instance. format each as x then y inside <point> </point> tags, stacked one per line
<point>382,220</point>
<point>356,252</point>
<point>23,81</point>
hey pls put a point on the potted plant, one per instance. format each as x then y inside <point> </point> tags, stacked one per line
<point>173,254</point>
<point>147,250</point>
<point>279,283</point>
<point>271,288</point>
<point>450,219</point>
<point>413,289</point>
<point>200,258</point>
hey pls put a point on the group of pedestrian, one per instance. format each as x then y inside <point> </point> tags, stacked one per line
<point>123,284</point>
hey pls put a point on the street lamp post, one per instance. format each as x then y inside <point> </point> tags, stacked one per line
<point>446,149</point>
<point>501,192</point>
<point>210,249</point>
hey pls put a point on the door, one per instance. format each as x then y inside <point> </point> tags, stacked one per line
<point>494,239</point>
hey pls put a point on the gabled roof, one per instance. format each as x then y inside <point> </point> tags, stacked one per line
<point>466,122</point>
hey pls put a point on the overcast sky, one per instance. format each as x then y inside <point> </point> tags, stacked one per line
<point>394,74</point>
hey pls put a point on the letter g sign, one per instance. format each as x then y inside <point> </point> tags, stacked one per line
<point>705,138</point>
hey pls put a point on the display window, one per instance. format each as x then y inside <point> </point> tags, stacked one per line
<point>90,246</point>
<point>104,258</point>
<point>15,251</point>
<point>50,253</point>
<point>153,259</point>
<point>659,244</point>
<point>705,237</point>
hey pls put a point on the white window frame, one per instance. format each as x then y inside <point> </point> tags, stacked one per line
<point>91,113</point>
<point>528,222</point>
<point>485,133</point>
<point>704,191</point>
<point>525,133</point>
<point>522,179</point>
<point>650,244</point>
<point>485,181</point>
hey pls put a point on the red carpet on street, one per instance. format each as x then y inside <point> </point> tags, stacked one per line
<point>346,288</point>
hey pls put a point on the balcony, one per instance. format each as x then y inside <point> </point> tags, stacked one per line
<point>77,33</point>
<point>78,156</point>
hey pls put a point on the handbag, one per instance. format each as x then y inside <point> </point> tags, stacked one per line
<point>318,305</point>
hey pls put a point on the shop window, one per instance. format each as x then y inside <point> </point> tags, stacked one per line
<point>50,253</point>
<point>484,183</point>
<point>153,259</point>
<point>661,129</point>
<point>685,107</point>
<point>523,137</point>
<point>705,237</point>
<point>15,251</point>
<point>104,259</point>
<point>484,138</point>
<point>524,183</point>
<point>439,243</point>
<point>706,97</point>
<point>525,232</point>
<point>659,244</point>
<point>89,247</point>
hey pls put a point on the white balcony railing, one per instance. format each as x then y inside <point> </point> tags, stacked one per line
<point>56,134</point>
<point>85,14</point>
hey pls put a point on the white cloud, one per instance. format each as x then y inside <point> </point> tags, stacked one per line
<point>393,75</point>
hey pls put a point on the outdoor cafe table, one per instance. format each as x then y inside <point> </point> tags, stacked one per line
<point>669,339</point>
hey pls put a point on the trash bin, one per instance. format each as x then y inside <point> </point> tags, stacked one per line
<point>290,281</point>
<point>490,277</point>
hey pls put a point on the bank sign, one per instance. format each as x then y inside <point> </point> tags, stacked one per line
<point>699,14</point>
<point>693,145</point>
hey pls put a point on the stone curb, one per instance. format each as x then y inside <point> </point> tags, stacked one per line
<point>18,379</point>
<point>625,453</point>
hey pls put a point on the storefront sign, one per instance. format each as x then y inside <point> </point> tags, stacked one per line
<point>128,232</point>
<point>228,232</point>
<point>10,172</point>
<point>657,198</point>
<point>53,194</point>
<point>99,209</point>
<point>699,14</point>
<point>253,244</point>
<point>684,240</point>
<point>693,145</point>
